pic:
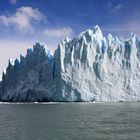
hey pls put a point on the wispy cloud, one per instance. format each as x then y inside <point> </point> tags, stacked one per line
<point>59,32</point>
<point>116,8</point>
<point>23,18</point>
<point>109,4</point>
<point>13,1</point>
<point>124,29</point>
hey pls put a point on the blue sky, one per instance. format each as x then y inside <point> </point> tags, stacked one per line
<point>23,22</point>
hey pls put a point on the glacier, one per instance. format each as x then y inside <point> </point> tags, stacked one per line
<point>90,68</point>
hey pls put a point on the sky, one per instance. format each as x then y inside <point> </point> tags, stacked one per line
<point>24,22</point>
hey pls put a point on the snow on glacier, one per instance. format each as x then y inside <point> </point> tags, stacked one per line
<point>90,67</point>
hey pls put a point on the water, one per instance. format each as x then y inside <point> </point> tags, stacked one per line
<point>70,121</point>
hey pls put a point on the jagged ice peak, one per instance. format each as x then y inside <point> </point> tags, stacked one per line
<point>90,67</point>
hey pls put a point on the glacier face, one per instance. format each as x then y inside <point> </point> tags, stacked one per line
<point>87,68</point>
<point>30,79</point>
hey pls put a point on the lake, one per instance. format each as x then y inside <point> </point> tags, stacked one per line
<point>70,121</point>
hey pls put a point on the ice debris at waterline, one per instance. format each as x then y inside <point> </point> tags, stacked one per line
<point>87,68</point>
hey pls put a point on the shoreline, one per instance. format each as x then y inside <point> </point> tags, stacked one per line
<point>103,102</point>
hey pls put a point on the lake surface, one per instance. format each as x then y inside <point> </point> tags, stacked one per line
<point>70,121</point>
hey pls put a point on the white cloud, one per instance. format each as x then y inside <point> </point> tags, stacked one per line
<point>13,1</point>
<point>59,32</point>
<point>23,18</point>
<point>117,8</point>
